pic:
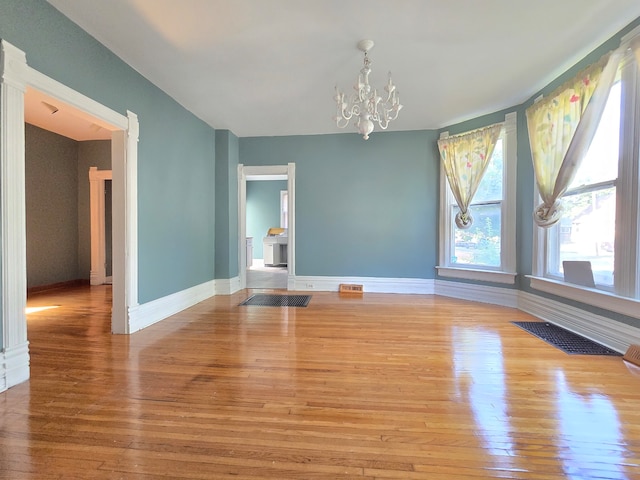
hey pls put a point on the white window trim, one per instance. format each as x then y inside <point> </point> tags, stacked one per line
<point>628,227</point>
<point>507,273</point>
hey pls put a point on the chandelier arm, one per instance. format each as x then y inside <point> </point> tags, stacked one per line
<point>354,110</point>
<point>341,122</point>
<point>346,112</point>
<point>394,114</point>
<point>375,116</point>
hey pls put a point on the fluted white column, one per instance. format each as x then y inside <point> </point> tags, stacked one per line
<point>124,144</point>
<point>15,350</point>
<point>131,212</point>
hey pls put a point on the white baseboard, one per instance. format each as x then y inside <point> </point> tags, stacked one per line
<point>14,366</point>
<point>227,286</point>
<point>370,284</point>
<point>152,312</point>
<point>506,297</point>
<point>615,335</point>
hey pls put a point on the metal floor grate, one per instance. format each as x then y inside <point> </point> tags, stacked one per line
<point>268,300</point>
<point>565,340</point>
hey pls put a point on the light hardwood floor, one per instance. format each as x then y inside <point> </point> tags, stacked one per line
<point>372,387</point>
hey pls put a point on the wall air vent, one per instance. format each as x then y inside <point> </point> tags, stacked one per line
<point>350,288</point>
<point>633,355</point>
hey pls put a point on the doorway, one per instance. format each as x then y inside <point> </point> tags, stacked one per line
<point>58,200</point>
<point>267,234</point>
<point>15,77</point>
<point>266,173</point>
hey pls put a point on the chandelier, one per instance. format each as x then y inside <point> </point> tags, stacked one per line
<point>366,105</point>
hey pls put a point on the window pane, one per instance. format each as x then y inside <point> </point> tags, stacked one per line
<point>587,231</point>
<point>490,188</point>
<point>601,161</point>
<point>480,244</point>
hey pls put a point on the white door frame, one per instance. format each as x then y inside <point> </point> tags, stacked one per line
<point>269,172</point>
<point>15,77</point>
<point>97,179</point>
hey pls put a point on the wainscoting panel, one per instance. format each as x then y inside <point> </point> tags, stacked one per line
<point>615,335</point>
<point>506,297</point>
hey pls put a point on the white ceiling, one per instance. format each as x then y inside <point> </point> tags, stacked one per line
<point>269,67</point>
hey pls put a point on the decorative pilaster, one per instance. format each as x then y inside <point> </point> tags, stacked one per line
<point>131,167</point>
<point>14,347</point>
<point>97,179</point>
<point>124,154</point>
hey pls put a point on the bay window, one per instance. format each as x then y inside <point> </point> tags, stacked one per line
<point>600,220</point>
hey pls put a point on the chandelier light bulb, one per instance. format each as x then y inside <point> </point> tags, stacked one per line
<point>365,105</point>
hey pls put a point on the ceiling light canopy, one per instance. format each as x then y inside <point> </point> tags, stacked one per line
<point>366,105</point>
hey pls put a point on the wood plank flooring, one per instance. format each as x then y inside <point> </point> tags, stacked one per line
<point>372,387</point>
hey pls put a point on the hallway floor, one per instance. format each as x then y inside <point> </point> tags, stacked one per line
<point>259,276</point>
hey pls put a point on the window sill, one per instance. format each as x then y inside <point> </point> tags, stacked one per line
<point>476,274</point>
<point>588,296</point>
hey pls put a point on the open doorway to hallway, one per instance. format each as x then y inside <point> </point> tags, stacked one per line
<point>60,153</point>
<point>277,228</point>
<point>17,82</point>
<point>261,276</point>
<point>267,233</point>
<point>62,211</point>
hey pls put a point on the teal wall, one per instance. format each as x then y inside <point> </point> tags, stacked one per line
<point>176,162</point>
<point>363,207</point>
<point>263,210</point>
<point>226,205</point>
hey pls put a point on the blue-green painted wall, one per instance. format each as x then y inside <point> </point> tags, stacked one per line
<point>175,152</point>
<point>226,205</point>
<point>263,210</point>
<point>363,208</point>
